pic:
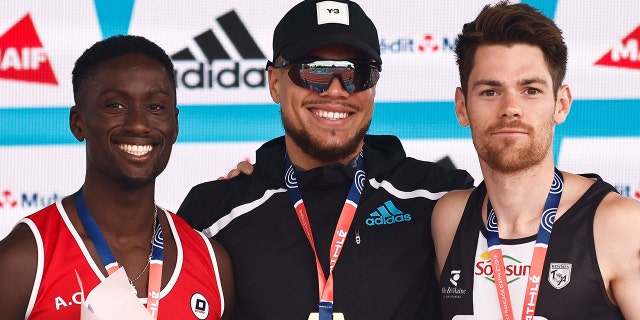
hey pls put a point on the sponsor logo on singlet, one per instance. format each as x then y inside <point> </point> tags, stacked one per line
<point>199,306</point>
<point>514,268</point>
<point>63,302</point>
<point>624,54</point>
<point>387,214</point>
<point>559,274</point>
<point>22,57</point>
<point>455,276</point>
<point>453,292</point>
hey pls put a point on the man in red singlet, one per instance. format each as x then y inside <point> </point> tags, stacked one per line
<point>125,95</point>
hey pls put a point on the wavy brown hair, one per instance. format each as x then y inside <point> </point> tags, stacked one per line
<point>510,24</point>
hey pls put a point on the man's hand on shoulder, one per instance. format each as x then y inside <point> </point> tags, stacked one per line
<point>243,167</point>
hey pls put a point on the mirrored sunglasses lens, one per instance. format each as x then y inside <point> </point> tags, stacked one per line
<point>317,75</point>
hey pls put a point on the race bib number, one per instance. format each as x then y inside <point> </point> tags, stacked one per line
<point>336,316</point>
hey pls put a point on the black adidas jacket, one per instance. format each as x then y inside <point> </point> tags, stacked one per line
<point>386,268</point>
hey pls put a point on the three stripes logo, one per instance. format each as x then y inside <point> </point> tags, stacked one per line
<point>209,63</point>
<point>387,214</point>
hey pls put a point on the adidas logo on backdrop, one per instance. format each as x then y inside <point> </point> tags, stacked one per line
<point>218,68</point>
<point>387,214</point>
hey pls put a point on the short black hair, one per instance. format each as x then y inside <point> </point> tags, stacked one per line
<point>114,47</point>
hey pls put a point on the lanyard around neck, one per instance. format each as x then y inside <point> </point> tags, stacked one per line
<point>325,286</point>
<point>539,253</point>
<point>110,263</point>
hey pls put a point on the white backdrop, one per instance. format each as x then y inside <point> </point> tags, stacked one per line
<point>226,112</point>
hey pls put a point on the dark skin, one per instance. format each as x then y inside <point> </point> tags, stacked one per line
<point>128,117</point>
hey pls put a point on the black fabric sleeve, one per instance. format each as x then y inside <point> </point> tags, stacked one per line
<point>198,207</point>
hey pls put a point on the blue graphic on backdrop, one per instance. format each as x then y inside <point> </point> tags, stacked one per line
<point>547,7</point>
<point>114,16</point>
<point>220,123</point>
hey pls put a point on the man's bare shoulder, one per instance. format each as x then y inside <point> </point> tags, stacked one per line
<point>618,215</point>
<point>18,248</point>
<point>619,206</point>
<point>617,243</point>
<point>18,263</point>
<point>444,222</point>
<point>452,204</point>
<point>447,213</point>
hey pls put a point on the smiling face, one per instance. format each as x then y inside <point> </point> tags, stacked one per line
<point>128,116</point>
<point>322,128</point>
<point>511,108</point>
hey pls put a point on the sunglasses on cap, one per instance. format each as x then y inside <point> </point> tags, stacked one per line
<point>317,75</point>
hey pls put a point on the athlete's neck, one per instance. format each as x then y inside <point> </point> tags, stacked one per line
<point>121,211</point>
<point>518,198</point>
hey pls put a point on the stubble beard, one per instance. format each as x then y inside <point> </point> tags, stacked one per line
<point>321,150</point>
<point>506,157</point>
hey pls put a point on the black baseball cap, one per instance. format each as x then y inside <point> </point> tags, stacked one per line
<point>312,24</point>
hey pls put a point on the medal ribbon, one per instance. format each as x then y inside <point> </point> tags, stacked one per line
<point>325,286</point>
<point>539,253</point>
<point>110,263</point>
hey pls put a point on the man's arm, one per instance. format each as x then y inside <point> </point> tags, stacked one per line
<point>226,278</point>
<point>616,230</point>
<point>444,223</point>
<point>18,264</point>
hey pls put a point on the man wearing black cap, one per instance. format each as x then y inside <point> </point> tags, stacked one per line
<point>333,223</point>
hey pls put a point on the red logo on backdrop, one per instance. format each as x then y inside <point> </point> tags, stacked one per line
<point>428,44</point>
<point>22,56</point>
<point>7,200</point>
<point>624,54</point>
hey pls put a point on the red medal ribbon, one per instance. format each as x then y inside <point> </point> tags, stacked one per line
<point>325,286</point>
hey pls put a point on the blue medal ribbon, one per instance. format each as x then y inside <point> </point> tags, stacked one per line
<point>539,253</point>
<point>109,261</point>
